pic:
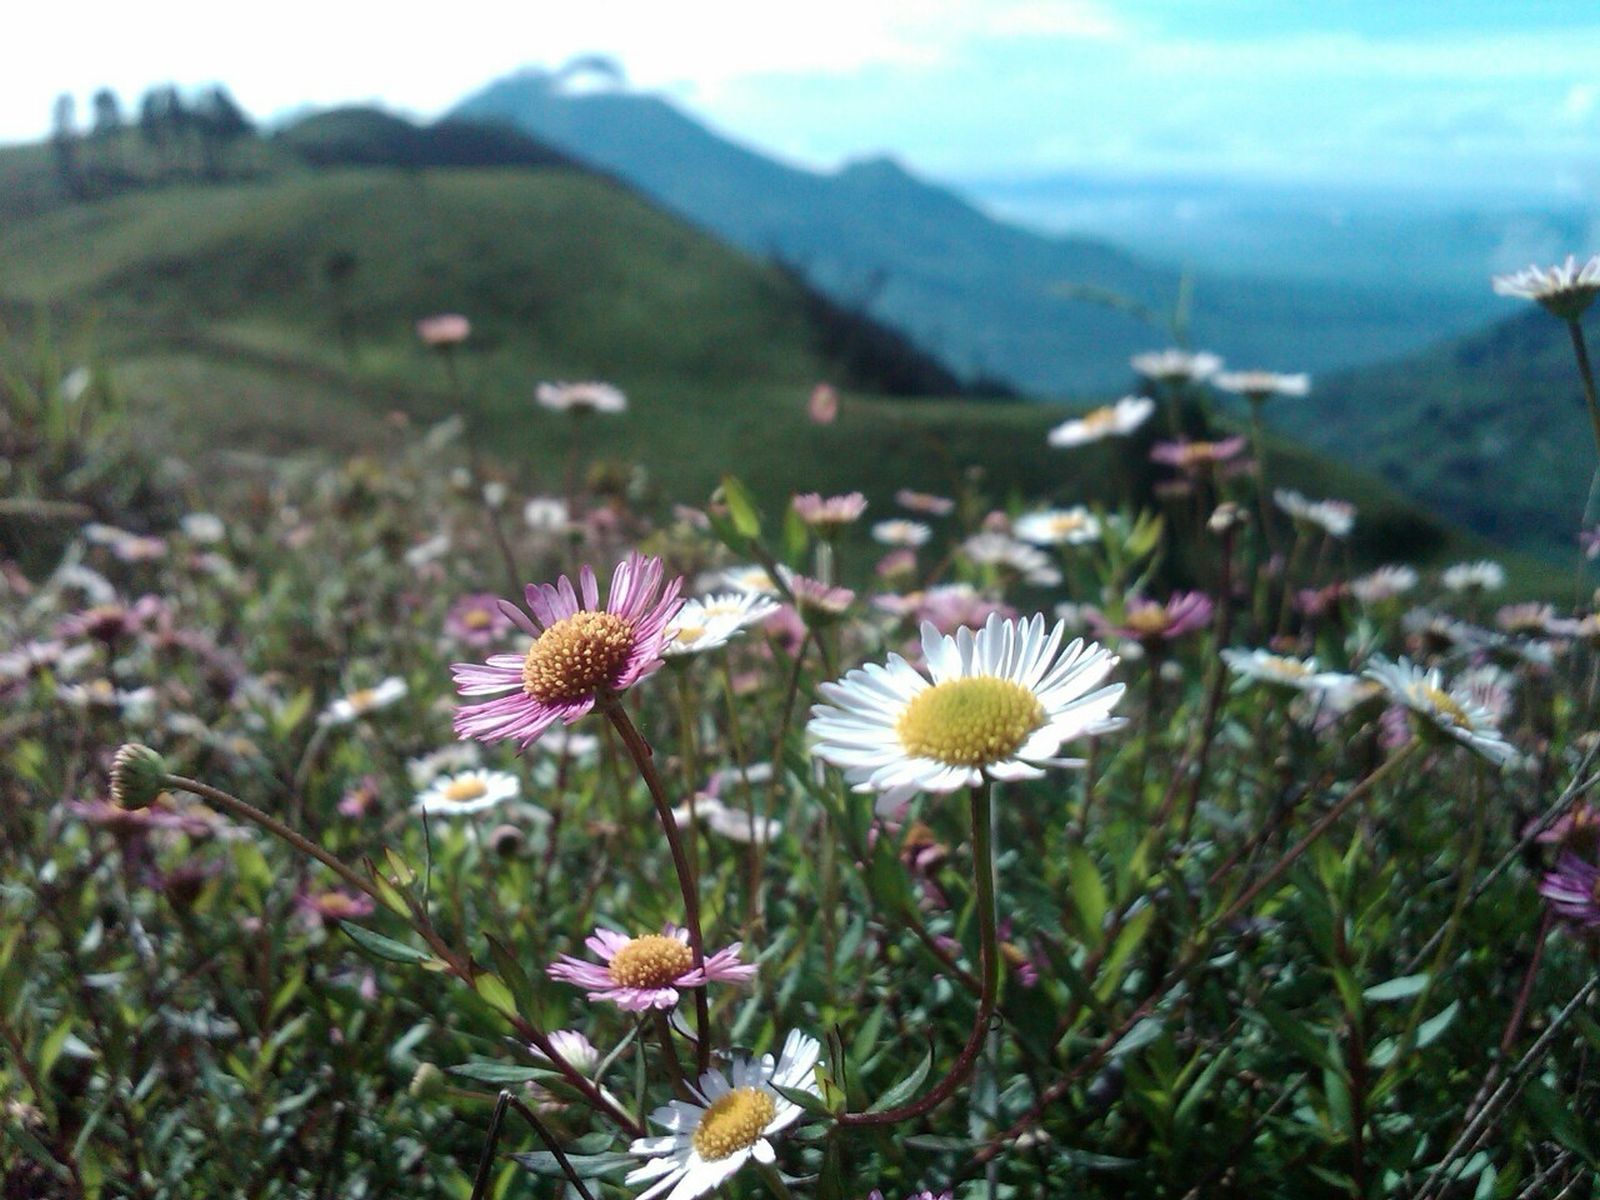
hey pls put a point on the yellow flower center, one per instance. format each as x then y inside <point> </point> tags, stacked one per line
<point>734,1122</point>
<point>1288,667</point>
<point>1148,621</point>
<point>969,722</point>
<point>477,618</point>
<point>651,961</point>
<point>576,655</point>
<point>466,789</point>
<point>688,635</point>
<point>363,700</point>
<point>1100,418</point>
<point>1444,704</point>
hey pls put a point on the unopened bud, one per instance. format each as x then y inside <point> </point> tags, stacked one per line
<point>138,776</point>
<point>507,841</point>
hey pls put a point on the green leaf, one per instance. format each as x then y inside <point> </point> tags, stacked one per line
<point>584,1166</point>
<point>510,970</point>
<point>385,948</point>
<point>1298,1034</point>
<point>806,1099</point>
<point>500,1073</point>
<point>1088,895</point>
<point>1555,1115</point>
<point>1429,1031</point>
<point>1403,988</point>
<point>906,1088</point>
<point>741,507</point>
<point>494,991</point>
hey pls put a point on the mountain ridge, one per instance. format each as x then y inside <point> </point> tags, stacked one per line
<point>994,298</point>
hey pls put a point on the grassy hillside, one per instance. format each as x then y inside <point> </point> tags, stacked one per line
<point>227,323</point>
<point>1488,429</point>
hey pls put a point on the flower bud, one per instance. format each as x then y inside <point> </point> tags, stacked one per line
<point>138,776</point>
<point>507,841</point>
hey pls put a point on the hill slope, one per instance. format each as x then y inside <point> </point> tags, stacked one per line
<point>1488,429</point>
<point>225,323</point>
<point>994,298</point>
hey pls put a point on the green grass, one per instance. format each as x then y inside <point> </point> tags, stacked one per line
<point>216,305</point>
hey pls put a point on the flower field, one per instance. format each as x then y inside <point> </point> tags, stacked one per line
<point>378,827</point>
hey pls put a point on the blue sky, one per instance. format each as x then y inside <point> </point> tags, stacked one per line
<point>1424,95</point>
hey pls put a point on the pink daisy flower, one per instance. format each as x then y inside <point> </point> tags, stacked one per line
<point>647,972</point>
<point>442,331</point>
<point>580,654</point>
<point>477,620</point>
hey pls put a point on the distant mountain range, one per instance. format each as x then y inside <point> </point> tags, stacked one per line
<point>1442,246</point>
<point>990,298</point>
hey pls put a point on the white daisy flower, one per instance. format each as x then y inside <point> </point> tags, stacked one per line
<point>1566,290</point>
<point>1176,366</point>
<point>992,549</point>
<point>900,532</point>
<point>428,551</point>
<point>547,514</point>
<point>1279,670</point>
<point>457,756</point>
<point>1263,385</point>
<point>468,792</point>
<point>734,1120</point>
<point>1058,526</point>
<point>572,1048</point>
<point>136,705</point>
<point>588,396</point>
<point>203,527</point>
<point>1480,576</point>
<point>1452,712</point>
<point>1112,420</point>
<point>563,739</point>
<point>366,700</point>
<point>734,824</point>
<point>999,705</point>
<point>1384,583</point>
<point>710,622</point>
<point>1334,517</point>
<point>750,578</point>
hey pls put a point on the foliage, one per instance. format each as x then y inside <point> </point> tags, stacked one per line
<point>1261,943</point>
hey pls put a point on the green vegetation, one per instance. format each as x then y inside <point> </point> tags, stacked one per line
<point>1489,430</point>
<point>275,313</point>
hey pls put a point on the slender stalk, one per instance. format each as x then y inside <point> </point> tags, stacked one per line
<point>1586,373</point>
<point>1258,443</point>
<point>670,1051</point>
<point>461,968</point>
<point>989,949</point>
<point>458,396</point>
<point>644,759</point>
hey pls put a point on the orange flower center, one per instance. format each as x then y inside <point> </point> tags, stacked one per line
<point>576,656</point>
<point>652,961</point>
<point>466,789</point>
<point>1148,621</point>
<point>734,1122</point>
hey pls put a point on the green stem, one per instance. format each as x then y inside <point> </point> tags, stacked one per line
<point>1586,373</point>
<point>989,948</point>
<point>644,759</point>
<point>461,968</point>
<point>1258,440</point>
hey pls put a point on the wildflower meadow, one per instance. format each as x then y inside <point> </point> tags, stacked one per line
<point>417,824</point>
